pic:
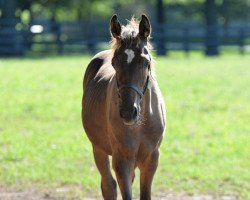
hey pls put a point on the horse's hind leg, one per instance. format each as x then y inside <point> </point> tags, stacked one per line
<point>147,169</point>
<point>108,183</point>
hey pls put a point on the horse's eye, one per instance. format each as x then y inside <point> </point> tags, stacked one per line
<point>146,63</point>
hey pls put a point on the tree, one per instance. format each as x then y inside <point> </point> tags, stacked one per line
<point>8,9</point>
<point>212,28</point>
<point>161,49</point>
<point>229,10</point>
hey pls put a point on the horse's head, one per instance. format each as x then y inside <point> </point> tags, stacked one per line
<point>131,62</point>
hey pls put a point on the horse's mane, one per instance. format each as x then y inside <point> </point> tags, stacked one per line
<point>128,34</point>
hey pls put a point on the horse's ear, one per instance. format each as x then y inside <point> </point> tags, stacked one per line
<point>144,27</point>
<point>115,27</point>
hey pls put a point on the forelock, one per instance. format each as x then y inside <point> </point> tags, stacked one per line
<point>128,32</point>
<point>129,36</point>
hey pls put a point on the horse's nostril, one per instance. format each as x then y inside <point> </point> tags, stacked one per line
<point>135,112</point>
<point>124,114</point>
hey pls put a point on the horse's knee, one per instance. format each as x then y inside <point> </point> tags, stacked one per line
<point>154,158</point>
<point>109,183</point>
<point>108,187</point>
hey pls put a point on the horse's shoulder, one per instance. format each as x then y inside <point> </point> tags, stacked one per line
<point>157,118</point>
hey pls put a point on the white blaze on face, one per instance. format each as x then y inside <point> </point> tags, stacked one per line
<point>131,54</point>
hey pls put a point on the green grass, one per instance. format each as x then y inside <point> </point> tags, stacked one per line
<point>207,144</point>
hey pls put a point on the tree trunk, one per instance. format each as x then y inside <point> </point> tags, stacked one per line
<point>160,40</point>
<point>211,28</point>
<point>12,44</point>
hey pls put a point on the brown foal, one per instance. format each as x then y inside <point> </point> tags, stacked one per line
<point>123,111</point>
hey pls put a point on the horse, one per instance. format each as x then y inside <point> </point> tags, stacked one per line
<point>123,111</point>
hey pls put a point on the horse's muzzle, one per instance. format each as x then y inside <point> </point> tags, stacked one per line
<point>129,115</point>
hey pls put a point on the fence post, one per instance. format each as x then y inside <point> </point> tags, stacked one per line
<point>160,40</point>
<point>91,40</point>
<point>241,40</point>
<point>12,37</point>
<point>211,28</point>
<point>186,45</point>
<point>58,38</point>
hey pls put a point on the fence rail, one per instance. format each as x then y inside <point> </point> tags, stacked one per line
<point>40,37</point>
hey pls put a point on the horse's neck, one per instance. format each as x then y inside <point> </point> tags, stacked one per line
<point>146,104</point>
<point>112,92</point>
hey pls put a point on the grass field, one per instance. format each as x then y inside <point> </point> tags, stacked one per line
<point>207,145</point>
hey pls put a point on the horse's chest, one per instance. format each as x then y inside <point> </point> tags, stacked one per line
<point>152,135</point>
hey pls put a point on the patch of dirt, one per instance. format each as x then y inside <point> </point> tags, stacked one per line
<point>34,195</point>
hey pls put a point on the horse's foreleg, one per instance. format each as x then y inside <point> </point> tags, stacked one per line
<point>124,169</point>
<point>147,169</point>
<point>108,183</point>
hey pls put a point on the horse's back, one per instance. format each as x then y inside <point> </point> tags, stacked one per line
<point>95,65</point>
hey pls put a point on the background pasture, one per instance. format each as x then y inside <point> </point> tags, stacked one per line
<point>206,147</point>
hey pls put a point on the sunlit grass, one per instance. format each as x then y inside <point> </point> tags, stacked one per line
<point>207,143</point>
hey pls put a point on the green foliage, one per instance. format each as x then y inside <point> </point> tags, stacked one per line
<point>96,9</point>
<point>229,9</point>
<point>205,150</point>
<point>183,1</point>
<point>69,10</point>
